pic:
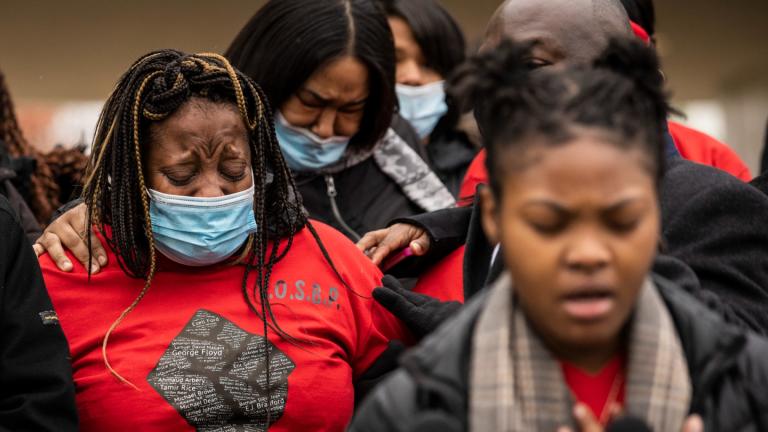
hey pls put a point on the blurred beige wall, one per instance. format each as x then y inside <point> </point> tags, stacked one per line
<point>714,51</point>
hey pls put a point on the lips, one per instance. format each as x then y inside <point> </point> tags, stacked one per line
<point>592,303</point>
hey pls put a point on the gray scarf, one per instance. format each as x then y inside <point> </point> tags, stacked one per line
<point>517,385</point>
<point>406,168</point>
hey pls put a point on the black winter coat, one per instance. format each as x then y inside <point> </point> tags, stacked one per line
<point>36,389</point>
<point>728,371</point>
<point>712,222</point>
<point>449,153</point>
<point>359,199</point>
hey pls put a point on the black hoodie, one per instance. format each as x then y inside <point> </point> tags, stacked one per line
<point>36,389</point>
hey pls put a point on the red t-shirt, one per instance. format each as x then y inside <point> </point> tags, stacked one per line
<point>445,280</point>
<point>693,145</point>
<point>475,176</point>
<point>699,147</point>
<point>596,390</point>
<point>196,351</point>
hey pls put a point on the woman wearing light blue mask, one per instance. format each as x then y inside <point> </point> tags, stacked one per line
<point>357,166</point>
<point>224,304</point>
<point>429,45</point>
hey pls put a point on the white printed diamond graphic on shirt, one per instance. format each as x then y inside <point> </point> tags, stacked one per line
<point>214,374</point>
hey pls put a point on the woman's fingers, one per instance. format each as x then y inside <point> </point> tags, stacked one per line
<point>420,245</point>
<point>76,243</point>
<point>585,419</point>
<point>97,250</point>
<point>378,245</point>
<point>371,240</point>
<point>69,232</point>
<point>51,243</point>
<point>694,423</point>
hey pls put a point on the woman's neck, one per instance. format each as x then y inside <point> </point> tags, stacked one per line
<point>591,359</point>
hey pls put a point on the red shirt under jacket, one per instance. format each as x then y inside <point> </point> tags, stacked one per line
<point>197,353</point>
<point>699,147</point>
<point>444,280</point>
<point>595,390</point>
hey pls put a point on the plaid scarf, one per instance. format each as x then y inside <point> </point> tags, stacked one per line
<point>517,385</point>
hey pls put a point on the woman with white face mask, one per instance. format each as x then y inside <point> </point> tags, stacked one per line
<point>429,45</point>
<point>224,306</point>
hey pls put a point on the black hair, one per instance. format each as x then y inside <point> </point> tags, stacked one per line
<point>621,92</point>
<point>437,33</point>
<point>441,42</point>
<point>286,41</point>
<point>115,191</point>
<point>642,13</point>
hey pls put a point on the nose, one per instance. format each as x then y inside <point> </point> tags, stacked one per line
<point>209,191</point>
<point>209,186</point>
<point>410,73</point>
<point>588,253</point>
<point>325,124</point>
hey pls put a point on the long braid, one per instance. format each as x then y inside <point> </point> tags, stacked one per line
<point>147,230</point>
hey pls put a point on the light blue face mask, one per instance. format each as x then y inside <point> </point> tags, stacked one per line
<point>199,232</point>
<point>422,106</point>
<point>305,151</point>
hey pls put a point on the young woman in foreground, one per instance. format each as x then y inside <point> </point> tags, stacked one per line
<point>577,333</point>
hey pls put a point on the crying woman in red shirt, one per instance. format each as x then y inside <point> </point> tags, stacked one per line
<point>229,309</point>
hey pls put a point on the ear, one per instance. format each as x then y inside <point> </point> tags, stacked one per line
<point>489,215</point>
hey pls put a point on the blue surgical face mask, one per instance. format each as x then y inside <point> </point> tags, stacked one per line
<point>305,151</point>
<point>422,106</point>
<point>198,232</point>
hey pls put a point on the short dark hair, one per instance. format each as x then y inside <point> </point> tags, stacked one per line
<point>437,33</point>
<point>621,92</point>
<point>642,13</point>
<point>286,41</point>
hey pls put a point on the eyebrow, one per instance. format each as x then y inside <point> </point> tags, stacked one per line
<point>326,101</point>
<point>546,43</point>
<point>622,203</point>
<point>552,205</point>
<point>563,210</point>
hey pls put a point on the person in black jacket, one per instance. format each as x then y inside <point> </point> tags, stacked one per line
<point>713,234</point>
<point>577,332</point>
<point>429,45</point>
<point>36,389</point>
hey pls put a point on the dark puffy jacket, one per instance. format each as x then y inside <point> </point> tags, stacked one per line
<point>449,153</point>
<point>36,389</point>
<point>359,199</point>
<point>728,369</point>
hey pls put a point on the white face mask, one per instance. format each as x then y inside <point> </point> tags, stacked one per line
<point>422,106</point>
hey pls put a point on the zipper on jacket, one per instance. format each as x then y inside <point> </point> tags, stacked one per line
<point>332,194</point>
